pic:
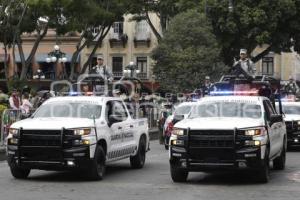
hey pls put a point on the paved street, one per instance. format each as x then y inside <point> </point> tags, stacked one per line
<point>152,182</point>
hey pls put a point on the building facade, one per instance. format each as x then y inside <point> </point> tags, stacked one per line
<point>282,66</point>
<point>127,41</point>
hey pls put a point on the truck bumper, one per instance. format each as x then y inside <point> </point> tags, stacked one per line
<point>217,159</point>
<point>49,158</point>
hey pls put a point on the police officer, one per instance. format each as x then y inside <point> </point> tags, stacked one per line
<point>102,69</point>
<point>291,87</point>
<point>206,86</point>
<point>244,65</point>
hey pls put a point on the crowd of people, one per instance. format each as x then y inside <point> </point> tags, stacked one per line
<point>25,101</point>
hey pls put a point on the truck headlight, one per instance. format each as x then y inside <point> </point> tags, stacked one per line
<point>85,131</point>
<point>252,143</point>
<point>13,131</point>
<point>255,132</point>
<point>178,131</point>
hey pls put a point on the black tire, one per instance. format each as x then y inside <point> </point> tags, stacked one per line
<point>16,171</point>
<point>98,167</point>
<point>279,163</point>
<point>19,173</point>
<point>167,142</point>
<point>264,171</point>
<point>138,161</point>
<point>178,174</point>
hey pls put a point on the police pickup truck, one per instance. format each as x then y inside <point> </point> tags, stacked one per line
<point>291,112</point>
<point>77,133</point>
<point>229,132</point>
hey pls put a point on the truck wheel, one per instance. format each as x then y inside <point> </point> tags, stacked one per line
<point>167,142</point>
<point>263,172</point>
<point>178,174</point>
<point>97,170</point>
<point>19,173</point>
<point>279,163</point>
<point>138,161</point>
<point>16,171</point>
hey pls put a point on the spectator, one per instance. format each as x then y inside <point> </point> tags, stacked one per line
<point>26,105</point>
<point>14,100</point>
<point>34,99</point>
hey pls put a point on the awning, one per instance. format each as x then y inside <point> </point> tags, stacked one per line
<point>41,57</point>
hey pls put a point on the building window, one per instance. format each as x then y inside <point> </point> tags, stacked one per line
<point>118,28</point>
<point>142,66</point>
<point>117,66</point>
<point>268,66</point>
<point>142,30</point>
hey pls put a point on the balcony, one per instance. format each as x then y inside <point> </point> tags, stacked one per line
<point>142,76</point>
<point>117,74</point>
<point>117,39</point>
<point>142,38</point>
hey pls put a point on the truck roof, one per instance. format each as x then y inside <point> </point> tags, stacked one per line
<point>230,98</point>
<point>97,99</point>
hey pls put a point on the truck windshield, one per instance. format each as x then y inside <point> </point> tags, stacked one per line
<point>291,109</point>
<point>182,110</point>
<point>227,109</point>
<point>69,109</point>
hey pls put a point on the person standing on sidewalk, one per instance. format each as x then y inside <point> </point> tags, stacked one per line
<point>14,100</point>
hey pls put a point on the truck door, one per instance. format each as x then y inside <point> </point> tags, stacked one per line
<point>115,126</point>
<point>273,128</point>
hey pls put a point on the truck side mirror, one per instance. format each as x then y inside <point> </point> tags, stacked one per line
<point>276,118</point>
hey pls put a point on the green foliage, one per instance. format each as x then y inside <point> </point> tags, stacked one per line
<point>187,53</point>
<point>165,10</point>
<point>253,23</point>
<point>16,83</point>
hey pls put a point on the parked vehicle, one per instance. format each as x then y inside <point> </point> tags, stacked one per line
<point>181,112</point>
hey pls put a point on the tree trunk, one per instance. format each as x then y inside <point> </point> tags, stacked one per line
<point>154,30</point>
<point>5,62</point>
<point>22,57</point>
<point>75,56</point>
<point>99,41</point>
<point>28,61</point>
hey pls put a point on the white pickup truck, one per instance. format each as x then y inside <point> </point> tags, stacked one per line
<point>71,133</point>
<point>229,132</point>
<point>291,112</point>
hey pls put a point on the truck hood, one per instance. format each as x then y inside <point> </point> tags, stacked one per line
<point>215,123</point>
<point>292,117</point>
<point>53,123</point>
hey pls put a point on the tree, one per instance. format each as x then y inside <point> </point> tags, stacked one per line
<point>22,16</point>
<point>165,10</point>
<point>187,53</point>
<point>86,16</point>
<point>5,30</point>
<point>253,23</point>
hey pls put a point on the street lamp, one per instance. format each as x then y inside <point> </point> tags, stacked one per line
<point>56,56</point>
<point>129,69</point>
<point>39,75</point>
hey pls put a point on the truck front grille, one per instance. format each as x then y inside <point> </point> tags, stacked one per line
<point>211,139</point>
<point>41,138</point>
